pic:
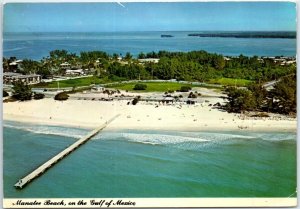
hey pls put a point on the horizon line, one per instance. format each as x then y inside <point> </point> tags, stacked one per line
<point>149,31</point>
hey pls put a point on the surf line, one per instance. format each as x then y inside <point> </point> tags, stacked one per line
<point>41,169</point>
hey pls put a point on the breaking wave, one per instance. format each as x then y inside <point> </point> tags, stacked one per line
<point>156,137</point>
<point>48,130</point>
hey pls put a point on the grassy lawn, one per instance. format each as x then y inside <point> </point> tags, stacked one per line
<point>152,87</point>
<point>73,82</point>
<point>230,82</point>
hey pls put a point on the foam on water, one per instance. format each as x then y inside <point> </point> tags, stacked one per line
<point>276,136</point>
<point>48,130</point>
<point>155,138</point>
<point>161,138</point>
<point>167,163</point>
<point>217,136</point>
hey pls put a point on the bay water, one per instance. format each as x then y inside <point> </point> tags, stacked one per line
<point>135,163</point>
<point>38,45</point>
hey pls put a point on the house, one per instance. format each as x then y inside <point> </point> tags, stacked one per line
<point>153,60</point>
<point>65,65</point>
<point>14,66</point>
<point>9,78</point>
<point>74,72</point>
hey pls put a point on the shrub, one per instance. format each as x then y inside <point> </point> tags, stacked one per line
<point>140,86</point>
<point>5,94</point>
<point>135,100</point>
<point>38,96</point>
<point>21,91</point>
<point>192,95</point>
<point>61,96</point>
<point>185,88</point>
<point>10,99</point>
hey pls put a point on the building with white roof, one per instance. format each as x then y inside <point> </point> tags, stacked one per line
<point>10,78</point>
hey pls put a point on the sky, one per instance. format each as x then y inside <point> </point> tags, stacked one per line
<point>147,16</point>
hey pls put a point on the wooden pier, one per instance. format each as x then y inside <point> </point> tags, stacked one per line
<point>41,169</point>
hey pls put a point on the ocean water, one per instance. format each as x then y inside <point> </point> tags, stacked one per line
<point>132,163</point>
<point>38,45</point>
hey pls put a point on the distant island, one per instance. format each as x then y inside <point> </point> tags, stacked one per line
<point>166,36</point>
<point>288,35</point>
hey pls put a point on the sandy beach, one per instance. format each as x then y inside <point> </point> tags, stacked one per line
<point>90,114</point>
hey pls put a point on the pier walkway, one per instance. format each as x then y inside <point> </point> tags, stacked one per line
<point>41,169</point>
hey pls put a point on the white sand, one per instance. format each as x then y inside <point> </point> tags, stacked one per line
<point>89,114</point>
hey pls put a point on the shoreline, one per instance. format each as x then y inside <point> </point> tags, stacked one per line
<point>90,114</point>
<point>171,129</point>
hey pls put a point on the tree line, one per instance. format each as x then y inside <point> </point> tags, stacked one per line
<point>281,98</point>
<point>189,66</point>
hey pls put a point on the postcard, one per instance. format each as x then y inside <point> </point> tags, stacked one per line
<point>149,104</point>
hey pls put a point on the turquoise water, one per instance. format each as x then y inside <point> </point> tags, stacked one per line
<point>38,45</point>
<point>150,163</point>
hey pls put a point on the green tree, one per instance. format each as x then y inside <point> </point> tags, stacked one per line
<point>284,95</point>
<point>239,100</point>
<point>128,56</point>
<point>38,96</point>
<point>5,94</point>
<point>115,56</point>
<point>21,91</point>
<point>219,62</point>
<point>141,56</point>
<point>30,66</point>
<point>260,96</point>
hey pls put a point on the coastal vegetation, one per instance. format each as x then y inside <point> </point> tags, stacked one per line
<point>38,96</point>
<point>280,99</point>
<point>21,91</point>
<point>61,96</point>
<point>188,66</point>
<point>5,94</point>
<point>185,88</point>
<point>194,66</point>
<point>140,86</point>
<point>135,100</point>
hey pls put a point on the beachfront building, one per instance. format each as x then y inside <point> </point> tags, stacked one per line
<point>13,66</point>
<point>227,58</point>
<point>9,78</point>
<point>75,72</point>
<point>65,66</point>
<point>281,60</point>
<point>153,60</point>
<point>290,62</point>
